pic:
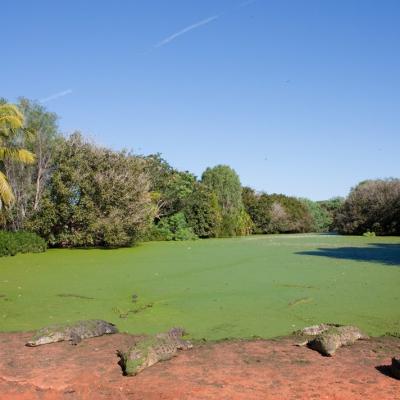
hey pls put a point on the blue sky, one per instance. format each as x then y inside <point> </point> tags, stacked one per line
<point>300,97</point>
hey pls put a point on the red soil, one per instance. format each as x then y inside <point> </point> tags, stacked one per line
<point>271,369</point>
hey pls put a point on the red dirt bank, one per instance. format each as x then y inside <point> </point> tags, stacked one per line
<point>230,370</point>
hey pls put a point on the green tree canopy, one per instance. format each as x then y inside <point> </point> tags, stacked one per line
<point>202,211</point>
<point>225,183</point>
<point>374,206</point>
<point>95,197</point>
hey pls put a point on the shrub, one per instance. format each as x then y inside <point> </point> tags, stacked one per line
<point>12,243</point>
<point>369,234</point>
<point>244,225</point>
<point>372,206</point>
<point>276,213</point>
<point>174,227</point>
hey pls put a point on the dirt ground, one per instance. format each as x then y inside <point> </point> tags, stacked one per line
<point>260,369</point>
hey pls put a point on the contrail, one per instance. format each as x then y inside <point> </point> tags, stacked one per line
<point>56,96</point>
<point>185,30</point>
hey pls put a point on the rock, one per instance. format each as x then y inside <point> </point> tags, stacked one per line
<point>151,350</point>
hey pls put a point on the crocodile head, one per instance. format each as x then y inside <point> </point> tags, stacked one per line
<point>110,328</point>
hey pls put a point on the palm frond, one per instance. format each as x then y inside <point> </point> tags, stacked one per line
<point>29,134</point>
<point>8,122</point>
<point>11,119</point>
<point>6,194</point>
<point>21,155</point>
<point>10,109</point>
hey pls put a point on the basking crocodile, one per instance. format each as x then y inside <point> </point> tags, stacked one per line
<point>151,350</point>
<point>73,332</point>
<point>395,367</point>
<point>327,338</point>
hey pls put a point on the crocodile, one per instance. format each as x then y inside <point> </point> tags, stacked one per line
<point>72,332</point>
<point>308,333</point>
<point>327,338</point>
<point>151,350</point>
<point>395,367</point>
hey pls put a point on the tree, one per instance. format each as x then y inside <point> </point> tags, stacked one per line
<point>225,183</point>
<point>95,197</point>
<point>12,137</point>
<point>297,219</point>
<point>373,205</point>
<point>258,206</point>
<point>321,220</point>
<point>28,181</point>
<point>276,213</point>
<point>202,212</point>
<point>169,187</point>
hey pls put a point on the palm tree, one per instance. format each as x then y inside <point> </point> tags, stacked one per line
<point>12,137</point>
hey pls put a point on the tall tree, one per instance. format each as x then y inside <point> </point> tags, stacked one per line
<point>28,181</point>
<point>225,183</point>
<point>12,139</point>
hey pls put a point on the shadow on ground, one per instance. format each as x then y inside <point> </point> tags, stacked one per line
<point>382,253</point>
<point>385,370</point>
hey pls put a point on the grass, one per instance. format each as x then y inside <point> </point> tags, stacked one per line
<point>262,286</point>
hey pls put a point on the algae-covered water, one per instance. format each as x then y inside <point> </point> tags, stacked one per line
<point>253,286</point>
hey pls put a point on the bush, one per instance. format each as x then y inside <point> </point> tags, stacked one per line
<point>276,213</point>
<point>174,227</point>
<point>369,234</point>
<point>372,206</point>
<point>12,243</point>
<point>244,224</point>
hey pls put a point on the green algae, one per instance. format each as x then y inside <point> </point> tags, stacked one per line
<point>236,288</point>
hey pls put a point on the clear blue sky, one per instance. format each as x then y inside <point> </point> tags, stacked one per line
<point>300,97</point>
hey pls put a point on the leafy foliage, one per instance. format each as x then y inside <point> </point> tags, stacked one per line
<point>28,180</point>
<point>332,206</point>
<point>95,197</point>
<point>174,227</point>
<point>202,212</point>
<point>372,206</point>
<point>276,213</point>
<point>321,220</point>
<point>74,193</point>
<point>258,206</point>
<point>12,137</point>
<point>169,188</point>
<point>225,183</point>
<point>12,243</point>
